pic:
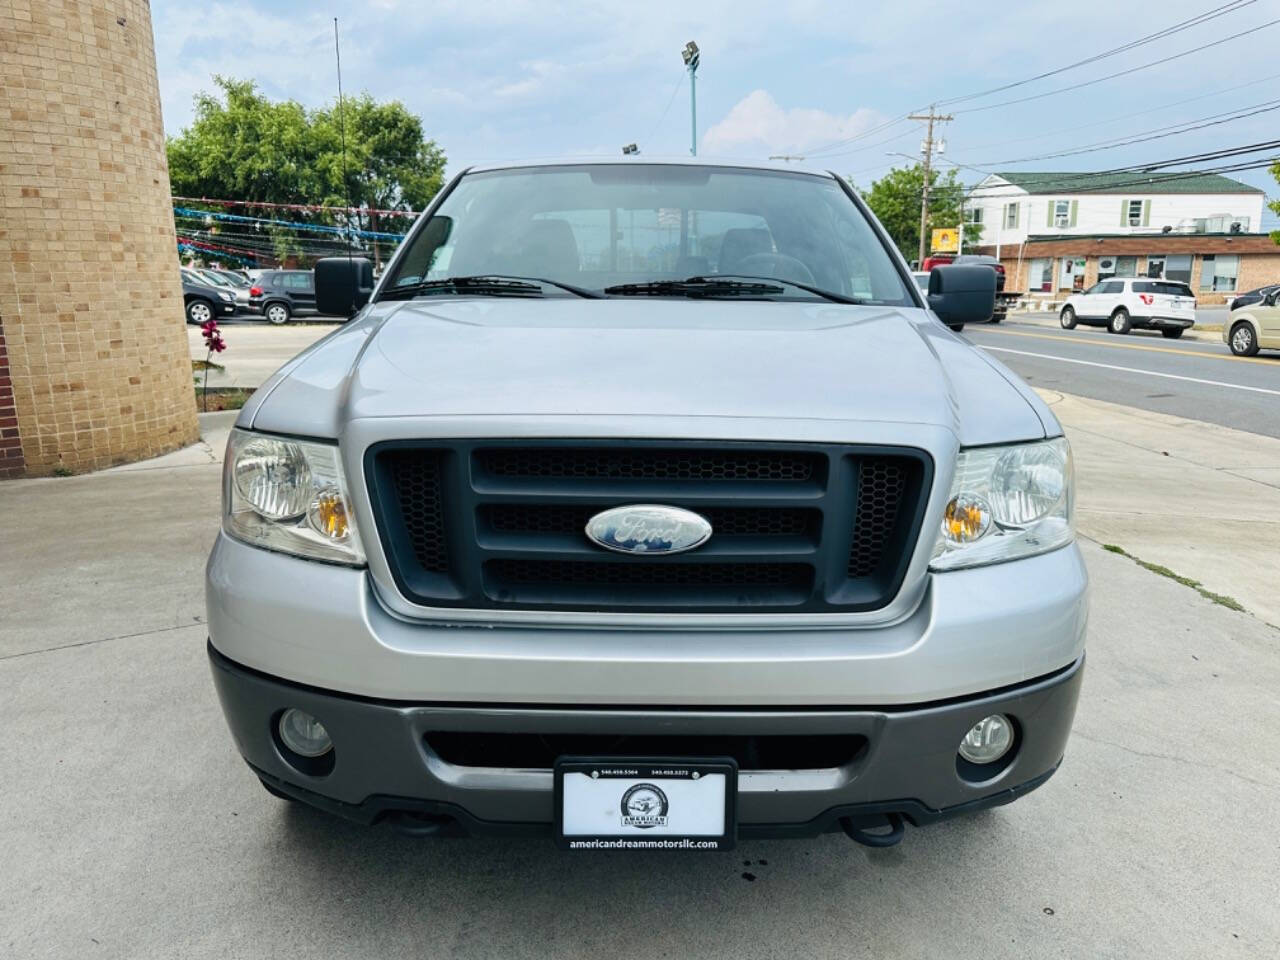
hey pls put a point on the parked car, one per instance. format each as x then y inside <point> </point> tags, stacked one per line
<point>1255,326</point>
<point>226,280</point>
<point>1122,303</point>
<point>1253,296</point>
<point>922,281</point>
<point>281,294</point>
<point>604,548</point>
<point>203,300</point>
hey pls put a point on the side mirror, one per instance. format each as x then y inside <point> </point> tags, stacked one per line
<point>962,294</point>
<point>343,285</point>
<point>1273,298</point>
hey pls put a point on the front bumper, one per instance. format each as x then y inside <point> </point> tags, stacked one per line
<point>383,764</point>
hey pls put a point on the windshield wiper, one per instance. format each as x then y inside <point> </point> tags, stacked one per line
<point>694,287</point>
<point>816,291</point>
<point>721,285</point>
<point>490,285</point>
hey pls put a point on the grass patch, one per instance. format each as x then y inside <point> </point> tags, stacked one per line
<point>1209,327</point>
<point>197,365</point>
<point>1229,602</point>
<point>222,398</point>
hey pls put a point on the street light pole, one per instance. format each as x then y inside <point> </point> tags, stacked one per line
<point>691,59</point>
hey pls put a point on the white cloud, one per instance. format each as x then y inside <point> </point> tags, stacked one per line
<point>757,124</point>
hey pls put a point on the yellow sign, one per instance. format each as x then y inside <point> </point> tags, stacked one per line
<point>945,240</point>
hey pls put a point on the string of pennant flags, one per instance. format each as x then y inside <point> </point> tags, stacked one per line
<point>308,207</point>
<point>205,215</point>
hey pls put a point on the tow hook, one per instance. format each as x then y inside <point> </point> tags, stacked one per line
<point>860,835</point>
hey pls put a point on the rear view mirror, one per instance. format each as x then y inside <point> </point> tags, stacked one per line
<point>343,285</point>
<point>962,294</point>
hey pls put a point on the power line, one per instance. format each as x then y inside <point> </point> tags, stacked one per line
<point>1172,130</point>
<point>1168,31</point>
<point>1122,73</point>
<point>1131,45</point>
<point>1059,131</point>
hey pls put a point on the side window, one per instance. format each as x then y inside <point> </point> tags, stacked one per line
<point>1095,289</point>
<point>277,280</point>
<point>298,281</point>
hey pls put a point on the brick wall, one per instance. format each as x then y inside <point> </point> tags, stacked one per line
<point>90,295</point>
<point>11,461</point>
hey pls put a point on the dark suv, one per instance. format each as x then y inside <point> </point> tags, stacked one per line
<point>281,294</point>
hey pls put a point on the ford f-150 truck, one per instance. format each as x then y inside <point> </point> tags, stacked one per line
<point>648,504</point>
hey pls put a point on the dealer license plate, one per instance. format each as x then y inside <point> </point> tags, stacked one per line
<point>628,804</point>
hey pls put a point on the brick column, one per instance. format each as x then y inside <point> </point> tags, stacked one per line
<point>95,344</point>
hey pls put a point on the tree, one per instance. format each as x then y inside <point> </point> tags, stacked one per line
<point>896,198</point>
<point>389,164</point>
<point>243,146</point>
<point>1275,204</point>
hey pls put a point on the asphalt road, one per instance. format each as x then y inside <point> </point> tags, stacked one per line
<point>1186,378</point>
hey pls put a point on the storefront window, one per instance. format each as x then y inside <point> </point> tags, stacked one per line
<point>1117,267</point>
<point>1040,275</point>
<point>1218,272</point>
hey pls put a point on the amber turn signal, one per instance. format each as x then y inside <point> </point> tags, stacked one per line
<point>967,518</point>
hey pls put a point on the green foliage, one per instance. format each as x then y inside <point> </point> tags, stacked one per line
<point>895,199</point>
<point>1275,204</point>
<point>244,146</point>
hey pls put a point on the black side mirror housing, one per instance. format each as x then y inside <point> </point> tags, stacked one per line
<point>343,285</point>
<point>962,293</point>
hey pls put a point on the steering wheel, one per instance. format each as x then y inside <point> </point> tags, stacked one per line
<point>777,266</point>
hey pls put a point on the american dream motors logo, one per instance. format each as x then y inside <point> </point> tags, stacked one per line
<point>644,806</point>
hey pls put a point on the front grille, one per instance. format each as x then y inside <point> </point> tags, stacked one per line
<point>613,464</point>
<point>501,524</point>
<point>540,750</point>
<point>725,521</point>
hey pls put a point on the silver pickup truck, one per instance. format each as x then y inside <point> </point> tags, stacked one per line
<point>648,504</point>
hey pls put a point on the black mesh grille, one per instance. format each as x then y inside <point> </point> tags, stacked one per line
<point>500,524</point>
<point>725,521</point>
<point>643,573</point>
<point>416,475</point>
<point>638,464</point>
<point>881,482</point>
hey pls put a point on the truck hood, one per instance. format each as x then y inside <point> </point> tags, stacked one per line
<point>654,358</point>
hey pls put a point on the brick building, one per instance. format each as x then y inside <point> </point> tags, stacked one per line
<point>94,363</point>
<point>1216,266</point>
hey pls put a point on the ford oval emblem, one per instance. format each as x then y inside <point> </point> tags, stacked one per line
<point>648,528</point>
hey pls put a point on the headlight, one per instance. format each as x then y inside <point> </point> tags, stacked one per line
<point>226,296</point>
<point>1007,502</point>
<point>289,495</point>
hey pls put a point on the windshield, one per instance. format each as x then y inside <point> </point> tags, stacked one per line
<point>607,228</point>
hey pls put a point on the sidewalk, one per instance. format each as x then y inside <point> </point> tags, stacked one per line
<point>1197,498</point>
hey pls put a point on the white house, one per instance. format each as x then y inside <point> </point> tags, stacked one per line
<point>1014,206</point>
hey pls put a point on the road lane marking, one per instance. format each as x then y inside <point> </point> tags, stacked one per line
<point>1149,373</point>
<point>1134,346</point>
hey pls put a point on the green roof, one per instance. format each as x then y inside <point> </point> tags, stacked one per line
<point>1158,181</point>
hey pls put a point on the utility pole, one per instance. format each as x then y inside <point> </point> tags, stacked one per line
<point>927,149</point>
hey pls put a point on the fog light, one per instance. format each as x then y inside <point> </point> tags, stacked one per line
<point>988,740</point>
<point>304,734</point>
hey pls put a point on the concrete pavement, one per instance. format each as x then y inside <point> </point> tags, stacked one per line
<point>1200,499</point>
<point>132,829</point>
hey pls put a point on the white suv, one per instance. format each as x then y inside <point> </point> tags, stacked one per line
<point>1122,303</point>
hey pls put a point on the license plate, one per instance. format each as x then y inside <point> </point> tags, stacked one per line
<point>628,804</point>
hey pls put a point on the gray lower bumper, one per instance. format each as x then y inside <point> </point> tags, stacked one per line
<point>383,764</point>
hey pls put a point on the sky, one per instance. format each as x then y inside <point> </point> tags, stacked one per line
<point>536,78</point>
